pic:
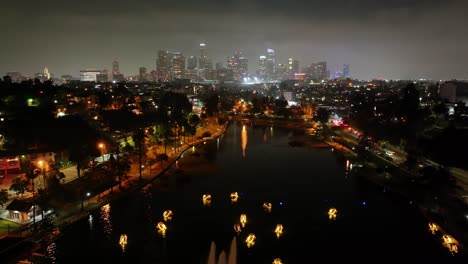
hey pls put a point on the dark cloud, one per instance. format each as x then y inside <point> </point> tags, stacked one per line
<point>388,39</point>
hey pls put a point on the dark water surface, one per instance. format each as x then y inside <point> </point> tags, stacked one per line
<point>302,184</point>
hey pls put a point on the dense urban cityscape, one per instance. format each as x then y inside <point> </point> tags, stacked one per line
<point>264,156</point>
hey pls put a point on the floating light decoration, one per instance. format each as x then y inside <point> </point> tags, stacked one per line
<point>243,220</point>
<point>433,228</point>
<point>237,229</point>
<point>162,228</point>
<point>123,242</point>
<point>277,261</point>
<point>250,241</point>
<point>234,197</point>
<point>332,213</point>
<point>279,230</point>
<point>450,243</point>
<point>207,200</point>
<point>267,207</point>
<point>167,215</point>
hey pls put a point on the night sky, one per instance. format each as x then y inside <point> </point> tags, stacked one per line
<point>393,39</point>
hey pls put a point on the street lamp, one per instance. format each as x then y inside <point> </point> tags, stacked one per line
<point>101,147</point>
<point>41,166</point>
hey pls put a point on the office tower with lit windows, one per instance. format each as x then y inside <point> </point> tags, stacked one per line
<point>143,74</point>
<point>177,66</point>
<point>262,67</point>
<point>239,65</point>
<point>346,70</point>
<point>270,64</point>
<point>163,65</point>
<point>191,72</point>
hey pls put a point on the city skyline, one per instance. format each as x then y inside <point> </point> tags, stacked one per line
<point>391,40</point>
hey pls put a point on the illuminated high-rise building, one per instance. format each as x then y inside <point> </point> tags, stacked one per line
<point>262,67</point>
<point>239,65</point>
<point>270,64</point>
<point>318,71</point>
<point>177,65</point>
<point>192,69</point>
<point>143,74</point>
<point>192,63</point>
<point>346,70</point>
<point>203,56</point>
<point>205,65</point>
<point>115,67</point>
<point>163,65</point>
<point>46,73</point>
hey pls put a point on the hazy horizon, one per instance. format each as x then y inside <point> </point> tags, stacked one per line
<point>395,39</point>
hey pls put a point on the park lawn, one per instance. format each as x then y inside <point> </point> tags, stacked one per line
<point>4,226</point>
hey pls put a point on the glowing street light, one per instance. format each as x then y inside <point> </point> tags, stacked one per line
<point>332,213</point>
<point>279,230</point>
<point>167,215</point>
<point>101,147</point>
<point>250,241</point>
<point>243,220</point>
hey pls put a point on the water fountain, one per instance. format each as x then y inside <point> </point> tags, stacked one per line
<point>232,258</point>
<point>222,258</point>
<point>212,254</point>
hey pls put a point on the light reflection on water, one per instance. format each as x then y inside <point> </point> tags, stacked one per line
<point>106,220</point>
<point>90,222</point>
<point>322,187</point>
<point>51,253</point>
<point>244,140</point>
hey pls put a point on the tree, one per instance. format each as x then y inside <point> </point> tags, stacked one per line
<point>212,105</point>
<point>364,147</point>
<point>3,197</point>
<point>139,139</point>
<point>19,185</point>
<point>322,115</point>
<point>43,201</point>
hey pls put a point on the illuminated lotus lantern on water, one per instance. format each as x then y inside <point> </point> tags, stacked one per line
<point>267,207</point>
<point>237,229</point>
<point>433,228</point>
<point>167,215</point>
<point>250,240</point>
<point>162,228</point>
<point>279,230</point>
<point>234,197</point>
<point>450,243</point>
<point>277,261</point>
<point>207,200</point>
<point>332,213</point>
<point>243,220</point>
<point>123,242</point>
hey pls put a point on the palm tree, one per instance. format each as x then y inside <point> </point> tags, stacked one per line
<point>19,185</point>
<point>31,175</point>
<point>3,197</point>
<point>43,200</point>
<point>139,139</point>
